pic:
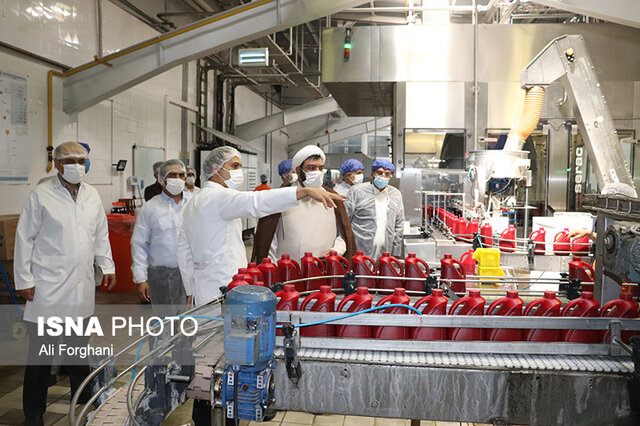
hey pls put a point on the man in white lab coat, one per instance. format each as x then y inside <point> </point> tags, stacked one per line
<point>154,243</point>
<point>62,230</point>
<point>352,172</point>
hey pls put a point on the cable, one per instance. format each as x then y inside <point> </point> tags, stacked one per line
<point>536,280</point>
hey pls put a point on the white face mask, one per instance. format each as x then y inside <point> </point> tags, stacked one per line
<point>191,180</point>
<point>174,186</point>
<point>236,177</point>
<point>293,178</point>
<point>358,178</point>
<point>73,173</point>
<point>313,179</point>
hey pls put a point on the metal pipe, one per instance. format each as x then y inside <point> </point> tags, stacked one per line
<point>475,75</point>
<point>415,9</point>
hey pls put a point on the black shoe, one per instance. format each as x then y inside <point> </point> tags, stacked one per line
<point>33,421</point>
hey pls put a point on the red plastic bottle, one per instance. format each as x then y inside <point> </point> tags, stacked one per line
<point>388,268</point>
<point>472,228</point>
<point>459,228</point>
<point>389,332</point>
<point>290,270</point>
<point>508,239</point>
<point>580,246</point>
<point>510,306</point>
<point>624,307</point>
<point>452,269</point>
<point>364,265</point>
<point>547,306</point>
<point>581,270</point>
<point>360,300</point>
<point>247,276</point>
<point>539,237</point>
<point>238,280</point>
<point>562,243</point>
<point>468,263</point>
<point>435,304</point>
<point>312,267</point>
<point>326,302</point>
<point>473,304</point>
<point>584,306</point>
<point>336,265</point>
<point>259,283</point>
<point>289,298</point>
<point>486,232</point>
<point>412,270</point>
<point>254,271</point>
<point>269,272</point>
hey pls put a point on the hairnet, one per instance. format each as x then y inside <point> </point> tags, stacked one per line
<point>351,165</point>
<point>156,167</point>
<point>69,149</point>
<point>216,159</point>
<point>191,170</point>
<point>306,152</point>
<point>166,166</point>
<point>384,163</point>
<point>263,178</point>
<point>284,167</point>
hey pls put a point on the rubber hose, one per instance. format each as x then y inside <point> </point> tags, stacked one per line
<point>533,99</point>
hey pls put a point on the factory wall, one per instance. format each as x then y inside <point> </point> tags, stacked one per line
<point>112,127</point>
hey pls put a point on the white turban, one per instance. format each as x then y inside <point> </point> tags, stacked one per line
<point>306,152</point>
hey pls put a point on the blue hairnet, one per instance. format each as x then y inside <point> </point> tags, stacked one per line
<point>384,163</point>
<point>351,165</point>
<point>284,167</point>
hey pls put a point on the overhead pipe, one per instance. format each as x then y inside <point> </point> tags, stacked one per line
<point>533,99</point>
<point>105,61</point>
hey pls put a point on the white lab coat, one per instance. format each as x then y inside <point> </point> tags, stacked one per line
<point>210,248</point>
<point>342,188</point>
<point>57,241</point>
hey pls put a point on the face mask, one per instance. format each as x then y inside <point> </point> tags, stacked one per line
<point>73,173</point>
<point>293,178</point>
<point>236,177</point>
<point>87,165</point>
<point>358,179</point>
<point>313,179</point>
<point>191,180</point>
<point>380,182</point>
<point>174,186</point>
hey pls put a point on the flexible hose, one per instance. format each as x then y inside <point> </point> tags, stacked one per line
<point>533,99</point>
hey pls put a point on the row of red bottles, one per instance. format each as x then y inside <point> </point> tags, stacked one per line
<point>563,245</point>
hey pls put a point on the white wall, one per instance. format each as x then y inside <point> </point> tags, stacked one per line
<point>137,113</point>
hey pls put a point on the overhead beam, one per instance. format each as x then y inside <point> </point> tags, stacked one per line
<point>230,138</point>
<point>625,12</point>
<point>265,125</point>
<point>343,129</point>
<point>126,68</point>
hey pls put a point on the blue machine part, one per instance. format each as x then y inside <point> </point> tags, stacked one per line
<point>249,344</point>
<point>499,185</point>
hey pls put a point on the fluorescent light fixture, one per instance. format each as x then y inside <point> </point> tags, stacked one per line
<point>258,57</point>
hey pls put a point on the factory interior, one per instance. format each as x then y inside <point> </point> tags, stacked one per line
<point>486,260</point>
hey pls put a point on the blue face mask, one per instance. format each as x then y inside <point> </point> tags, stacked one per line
<point>380,182</point>
<point>86,166</point>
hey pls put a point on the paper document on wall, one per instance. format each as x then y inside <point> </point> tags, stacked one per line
<point>13,129</point>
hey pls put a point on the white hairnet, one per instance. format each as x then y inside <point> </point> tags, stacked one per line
<point>306,152</point>
<point>191,170</point>
<point>156,167</point>
<point>70,149</point>
<point>168,165</point>
<point>216,159</point>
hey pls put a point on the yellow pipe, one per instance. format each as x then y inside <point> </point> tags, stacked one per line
<point>105,61</point>
<point>533,99</point>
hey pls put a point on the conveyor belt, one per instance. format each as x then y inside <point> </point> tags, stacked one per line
<point>593,363</point>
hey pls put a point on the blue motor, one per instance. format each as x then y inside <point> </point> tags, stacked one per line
<point>249,344</point>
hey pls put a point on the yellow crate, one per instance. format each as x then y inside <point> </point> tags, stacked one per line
<point>487,257</point>
<point>489,271</point>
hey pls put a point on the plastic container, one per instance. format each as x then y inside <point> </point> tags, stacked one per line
<point>311,266</point>
<point>120,232</point>
<point>510,306</point>
<point>325,302</point>
<point>580,246</point>
<point>336,265</point>
<point>508,239</point>
<point>412,269</point>
<point>623,307</point>
<point>473,304</point>
<point>472,228</point>
<point>390,267</point>
<point>539,238</point>
<point>468,263</point>
<point>486,233</point>
<point>358,301</point>
<point>547,306</point>
<point>270,272</point>
<point>581,270</point>
<point>247,276</point>
<point>364,265</point>
<point>237,280</point>
<point>584,306</point>
<point>459,228</point>
<point>290,270</point>
<point>289,298</point>
<point>259,283</point>
<point>434,304</point>
<point>254,271</point>
<point>562,243</point>
<point>452,269</point>
<point>389,332</point>
<point>487,257</point>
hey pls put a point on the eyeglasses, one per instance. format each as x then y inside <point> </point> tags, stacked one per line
<point>383,173</point>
